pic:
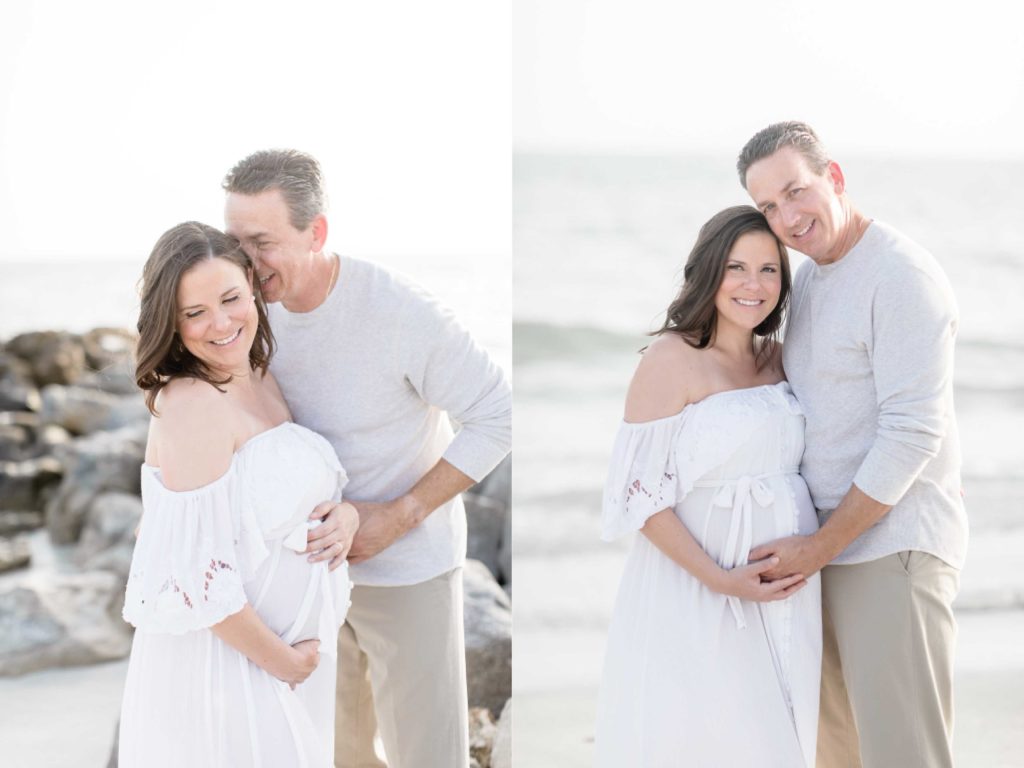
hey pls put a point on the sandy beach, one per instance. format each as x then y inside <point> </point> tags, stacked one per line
<point>557,669</point>
<point>554,722</point>
<point>65,718</point>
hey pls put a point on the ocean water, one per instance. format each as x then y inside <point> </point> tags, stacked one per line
<point>599,245</point>
<point>76,295</point>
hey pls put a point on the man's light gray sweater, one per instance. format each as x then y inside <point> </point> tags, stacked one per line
<point>377,369</point>
<point>869,354</point>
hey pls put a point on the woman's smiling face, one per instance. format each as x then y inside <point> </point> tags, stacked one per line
<point>217,317</point>
<point>752,281</point>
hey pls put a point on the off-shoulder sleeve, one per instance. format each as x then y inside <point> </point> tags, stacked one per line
<point>642,477</point>
<point>194,552</point>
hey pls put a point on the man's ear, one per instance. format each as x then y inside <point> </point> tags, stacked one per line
<point>836,174</point>
<point>319,225</point>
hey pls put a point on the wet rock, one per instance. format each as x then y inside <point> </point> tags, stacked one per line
<point>108,534</point>
<point>15,442</point>
<point>485,521</point>
<point>488,618</point>
<point>14,553</point>
<point>24,436</point>
<point>107,346</point>
<point>24,485</point>
<point>481,737</point>
<point>63,620</point>
<point>19,521</point>
<point>105,461</point>
<point>501,751</point>
<point>20,419</point>
<point>498,484</point>
<point>55,357</point>
<point>18,391</point>
<point>116,379</point>
<point>493,536</point>
<point>82,411</point>
<point>505,553</point>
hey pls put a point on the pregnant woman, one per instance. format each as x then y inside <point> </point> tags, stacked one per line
<point>231,617</point>
<point>706,665</point>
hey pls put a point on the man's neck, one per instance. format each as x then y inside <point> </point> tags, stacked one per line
<point>323,276</point>
<point>856,225</point>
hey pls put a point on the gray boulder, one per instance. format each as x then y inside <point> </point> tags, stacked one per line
<point>110,354</point>
<point>24,436</point>
<point>485,521</point>
<point>481,737</point>
<point>501,750</point>
<point>488,617</point>
<point>105,461</point>
<point>505,553</point>
<point>63,620</point>
<point>82,411</point>
<point>15,441</point>
<point>18,391</point>
<point>489,511</point>
<point>54,357</point>
<point>14,553</point>
<point>105,347</point>
<point>108,534</point>
<point>117,379</point>
<point>498,484</point>
<point>26,484</point>
<point>19,521</point>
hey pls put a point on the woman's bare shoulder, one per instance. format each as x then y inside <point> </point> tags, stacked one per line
<point>669,376</point>
<point>193,438</point>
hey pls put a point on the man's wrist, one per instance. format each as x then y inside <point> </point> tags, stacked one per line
<point>826,545</point>
<point>412,511</point>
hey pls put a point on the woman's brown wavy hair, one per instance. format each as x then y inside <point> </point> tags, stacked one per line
<point>160,355</point>
<point>692,314</point>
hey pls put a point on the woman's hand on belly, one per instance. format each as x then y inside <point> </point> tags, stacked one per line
<point>302,661</point>
<point>744,582</point>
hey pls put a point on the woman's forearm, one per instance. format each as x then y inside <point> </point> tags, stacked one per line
<point>667,532</point>
<point>246,633</point>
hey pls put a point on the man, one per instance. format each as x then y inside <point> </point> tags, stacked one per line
<point>373,363</point>
<point>869,354</point>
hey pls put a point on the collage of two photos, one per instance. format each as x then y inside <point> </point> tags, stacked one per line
<point>688,322</point>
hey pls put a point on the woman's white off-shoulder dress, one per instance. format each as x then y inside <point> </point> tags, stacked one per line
<point>693,678</point>
<point>190,699</point>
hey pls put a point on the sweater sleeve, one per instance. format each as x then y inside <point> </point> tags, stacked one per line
<point>450,371</point>
<point>914,320</point>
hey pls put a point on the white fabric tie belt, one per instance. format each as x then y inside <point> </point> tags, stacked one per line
<point>296,540</point>
<point>739,495</point>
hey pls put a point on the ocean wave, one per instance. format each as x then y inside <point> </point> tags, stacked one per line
<point>534,342</point>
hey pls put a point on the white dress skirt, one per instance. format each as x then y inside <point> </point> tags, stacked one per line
<point>190,699</point>
<point>693,678</point>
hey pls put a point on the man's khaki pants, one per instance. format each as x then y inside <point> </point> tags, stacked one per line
<point>402,665</point>
<point>887,663</point>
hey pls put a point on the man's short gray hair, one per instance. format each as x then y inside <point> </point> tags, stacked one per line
<point>770,140</point>
<point>295,173</point>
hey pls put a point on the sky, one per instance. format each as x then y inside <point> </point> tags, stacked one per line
<point>876,77</point>
<point>119,119</point>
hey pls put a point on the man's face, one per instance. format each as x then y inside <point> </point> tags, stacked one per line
<point>282,253</point>
<point>803,208</point>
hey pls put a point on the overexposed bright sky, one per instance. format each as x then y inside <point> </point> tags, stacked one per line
<point>119,119</point>
<point>877,76</point>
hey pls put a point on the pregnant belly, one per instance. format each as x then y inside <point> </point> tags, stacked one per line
<point>722,520</point>
<point>295,597</point>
